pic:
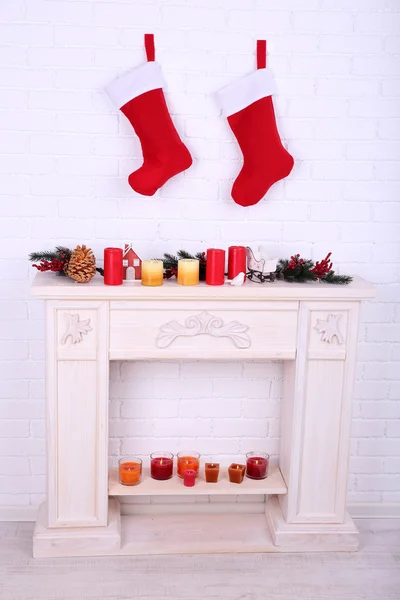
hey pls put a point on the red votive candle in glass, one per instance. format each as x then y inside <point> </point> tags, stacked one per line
<point>257,465</point>
<point>237,261</point>
<point>215,267</point>
<point>189,477</point>
<point>113,266</point>
<point>161,465</point>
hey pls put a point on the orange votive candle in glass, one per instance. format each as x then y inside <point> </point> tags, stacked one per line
<point>188,461</point>
<point>130,470</point>
<point>188,271</point>
<point>152,272</point>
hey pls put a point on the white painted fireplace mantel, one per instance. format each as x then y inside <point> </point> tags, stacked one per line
<point>312,327</point>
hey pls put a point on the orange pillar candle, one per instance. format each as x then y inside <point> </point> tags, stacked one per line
<point>152,272</point>
<point>130,471</point>
<point>188,271</point>
<point>236,473</point>
<point>188,461</point>
<point>212,472</point>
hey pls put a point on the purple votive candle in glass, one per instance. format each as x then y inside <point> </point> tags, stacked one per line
<point>257,465</point>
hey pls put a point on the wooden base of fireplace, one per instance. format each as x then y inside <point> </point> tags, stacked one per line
<point>198,534</point>
<point>312,327</point>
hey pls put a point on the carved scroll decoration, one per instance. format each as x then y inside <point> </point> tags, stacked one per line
<point>329,329</point>
<point>204,323</point>
<point>76,329</point>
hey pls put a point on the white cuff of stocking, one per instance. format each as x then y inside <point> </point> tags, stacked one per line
<point>143,79</point>
<point>245,91</point>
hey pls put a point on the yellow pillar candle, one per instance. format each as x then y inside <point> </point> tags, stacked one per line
<point>188,271</point>
<point>152,272</point>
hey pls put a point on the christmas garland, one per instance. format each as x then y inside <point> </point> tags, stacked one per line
<point>79,264</point>
<point>295,269</point>
<point>52,260</point>
<point>300,270</point>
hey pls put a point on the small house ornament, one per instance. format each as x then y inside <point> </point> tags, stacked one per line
<point>131,264</point>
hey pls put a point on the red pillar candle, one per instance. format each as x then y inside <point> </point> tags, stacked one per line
<point>161,465</point>
<point>189,477</point>
<point>113,266</point>
<point>215,266</point>
<point>257,465</point>
<point>237,261</point>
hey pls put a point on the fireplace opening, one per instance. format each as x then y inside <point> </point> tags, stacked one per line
<point>220,409</point>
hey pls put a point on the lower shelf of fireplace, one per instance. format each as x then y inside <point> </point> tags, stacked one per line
<point>273,484</point>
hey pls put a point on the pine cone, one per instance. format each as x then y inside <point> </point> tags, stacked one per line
<point>82,265</point>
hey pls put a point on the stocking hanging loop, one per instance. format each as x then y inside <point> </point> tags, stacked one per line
<point>149,46</point>
<point>261,54</point>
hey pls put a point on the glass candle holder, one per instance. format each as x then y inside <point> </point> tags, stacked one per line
<point>187,461</point>
<point>188,271</point>
<point>189,477</point>
<point>236,473</point>
<point>130,470</point>
<point>161,465</point>
<point>212,472</point>
<point>152,272</point>
<point>257,465</point>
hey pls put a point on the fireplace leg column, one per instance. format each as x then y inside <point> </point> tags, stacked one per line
<point>316,416</point>
<point>75,519</point>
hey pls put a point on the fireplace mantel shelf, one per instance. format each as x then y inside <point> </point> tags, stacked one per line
<point>49,286</point>
<point>312,327</point>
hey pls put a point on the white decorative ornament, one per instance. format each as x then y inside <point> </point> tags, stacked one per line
<point>75,329</point>
<point>329,329</point>
<point>239,279</point>
<point>260,261</point>
<point>204,323</point>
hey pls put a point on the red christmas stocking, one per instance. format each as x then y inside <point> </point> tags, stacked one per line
<point>248,106</point>
<point>140,97</point>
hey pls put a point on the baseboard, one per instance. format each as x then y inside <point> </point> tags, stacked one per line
<point>18,513</point>
<point>384,510</point>
<point>356,511</point>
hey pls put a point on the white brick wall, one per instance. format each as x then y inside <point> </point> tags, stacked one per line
<point>65,154</point>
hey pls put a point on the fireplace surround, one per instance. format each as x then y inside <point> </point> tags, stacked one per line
<point>311,327</point>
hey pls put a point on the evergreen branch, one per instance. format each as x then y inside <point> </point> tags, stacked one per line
<point>331,277</point>
<point>50,254</point>
<point>185,254</point>
<point>46,255</point>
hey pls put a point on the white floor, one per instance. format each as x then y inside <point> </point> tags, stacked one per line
<point>371,574</point>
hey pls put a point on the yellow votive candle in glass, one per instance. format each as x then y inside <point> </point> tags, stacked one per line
<point>152,272</point>
<point>188,271</point>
